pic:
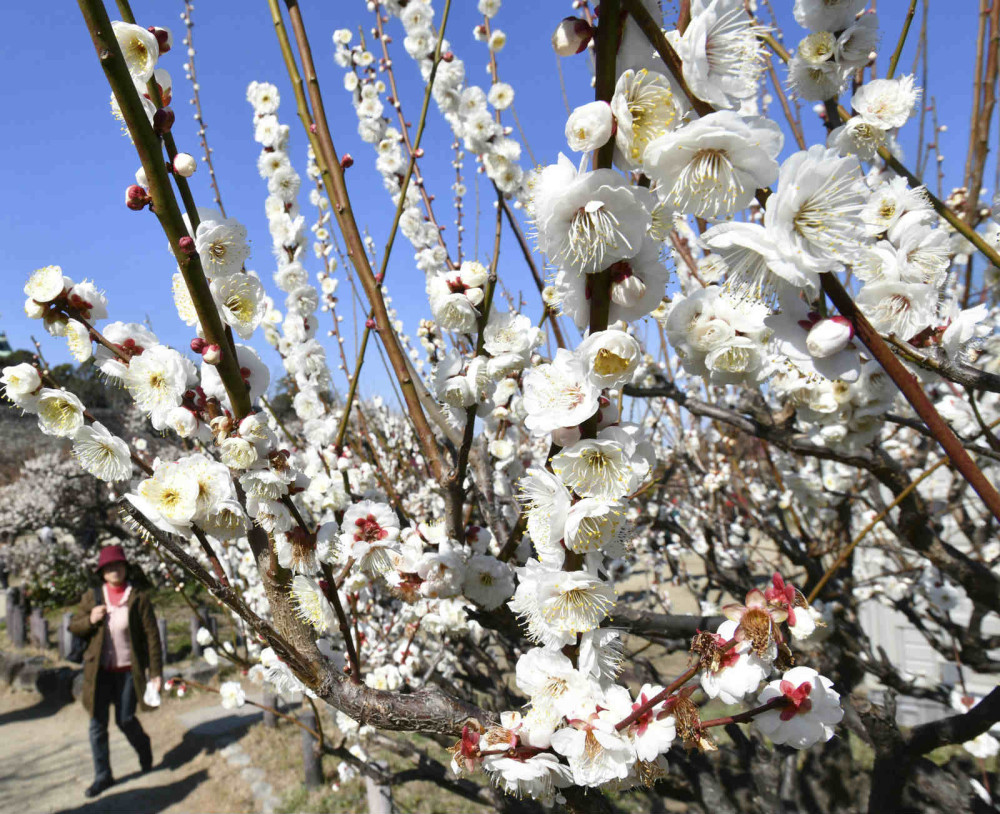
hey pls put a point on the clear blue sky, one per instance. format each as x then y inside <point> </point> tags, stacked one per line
<point>67,166</point>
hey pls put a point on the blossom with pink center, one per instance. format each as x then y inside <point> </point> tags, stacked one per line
<point>369,532</point>
<point>810,710</point>
<point>652,733</point>
<point>740,669</point>
<point>801,617</point>
<point>757,620</point>
<point>465,754</point>
<point>782,594</point>
<point>596,752</point>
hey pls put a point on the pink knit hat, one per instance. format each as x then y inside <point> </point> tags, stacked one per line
<point>111,554</point>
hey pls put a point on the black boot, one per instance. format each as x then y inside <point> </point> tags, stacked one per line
<point>98,786</point>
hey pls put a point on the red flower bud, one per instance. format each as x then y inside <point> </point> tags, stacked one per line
<point>164,39</point>
<point>187,246</point>
<point>136,198</point>
<point>163,120</point>
<point>346,161</point>
<point>197,345</point>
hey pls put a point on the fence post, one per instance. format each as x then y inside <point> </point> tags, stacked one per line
<point>162,625</point>
<point>269,699</point>
<point>15,617</point>
<point>312,765</point>
<point>65,638</point>
<point>39,629</point>
<point>379,796</point>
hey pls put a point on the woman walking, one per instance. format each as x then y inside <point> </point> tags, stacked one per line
<point>123,642</point>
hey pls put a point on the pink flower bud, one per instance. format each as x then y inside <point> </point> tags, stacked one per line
<point>448,56</point>
<point>572,36</point>
<point>163,120</point>
<point>211,354</point>
<point>198,345</point>
<point>829,336</point>
<point>185,165</point>
<point>346,161</point>
<point>137,198</point>
<point>370,324</point>
<point>187,246</point>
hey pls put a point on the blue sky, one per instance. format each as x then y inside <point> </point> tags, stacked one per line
<point>67,165</point>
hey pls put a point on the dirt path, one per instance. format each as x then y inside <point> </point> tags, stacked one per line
<point>45,761</point>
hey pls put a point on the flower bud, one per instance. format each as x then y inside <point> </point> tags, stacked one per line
<point>182,421</point>
<point>137,198</point>
<point>163,120</point>
<point>457,392</point>
<point>185,165</point>
<point>198,344</point>
<point>237,453</point>
<point>221,426</point>
<point>346,161</point>
<point>164,39</point>
<point>829,336</point>
<point>211,354</point>
<point>571,36</point>
<point>589,127</point>
<point>186,245</point>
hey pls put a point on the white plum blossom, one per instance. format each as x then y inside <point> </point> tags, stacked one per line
<point>740,670</point>
<point>222,246</point>
<point>139,48</point>
<point>586,221</point>
<point>59,412</point>
<point>722,56</point>
<point>597,753</point>
<point>814,217</point>
<point>886,103</point>
<point>811,709</point>
<point>488,581</point>
<point>827,15</point>
<point>231,695</point>
<point>103,455</point>
<point>612,356</point>
<point>45,284</point>
<point>559,394</point>
<point>369,532</point>
<point>646,105</point>
<point>712,167</point>
<point>21,382</point>
<point>589,127</point>
<point>157,380</point>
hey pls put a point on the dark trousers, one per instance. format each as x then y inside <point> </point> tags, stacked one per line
<point>118,689</point>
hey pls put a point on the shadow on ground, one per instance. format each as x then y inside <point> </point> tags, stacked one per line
<point>207,737</point>
<point>148,800</point>
<point>43,709</point>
